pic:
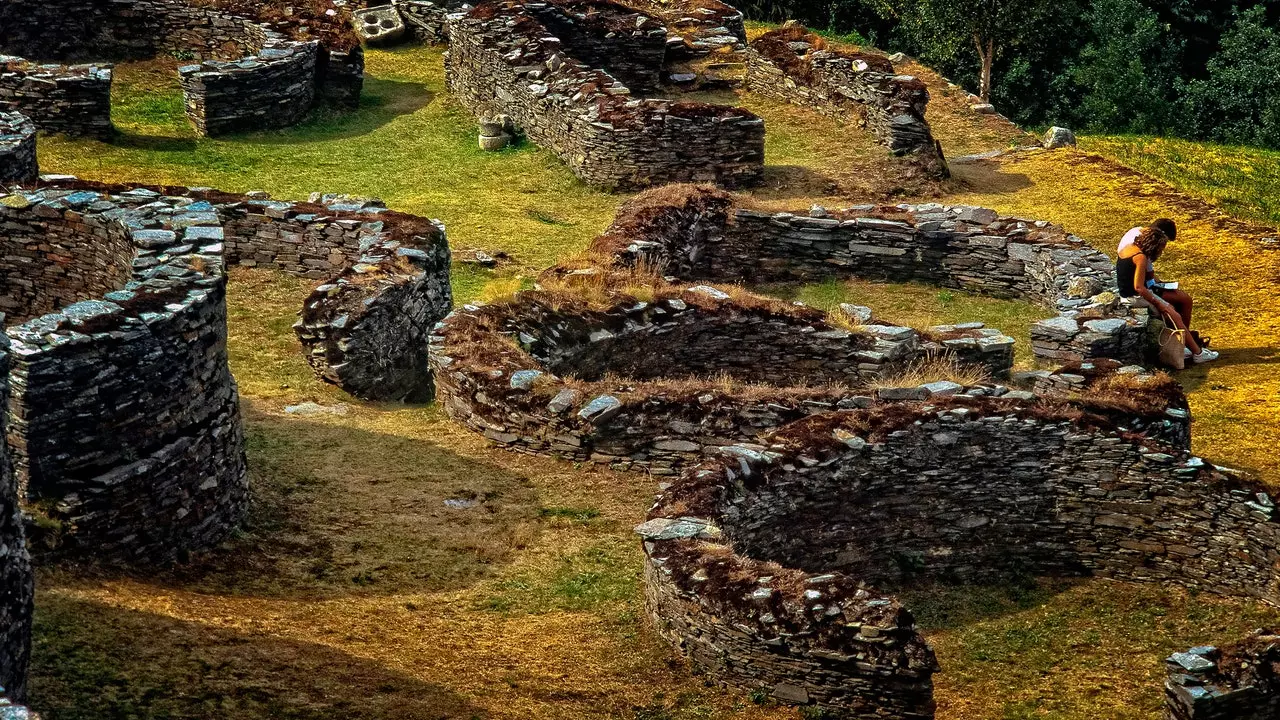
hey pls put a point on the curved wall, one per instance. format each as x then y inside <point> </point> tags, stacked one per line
<point>503,60</point>
<point>367,330</point>
<point>124,422</point>
<point>254,75</point>
<point>16,586</point>
<point>700,234</point>
<point>961,489</point>
<point>656,384</point>
<point>18,162</point>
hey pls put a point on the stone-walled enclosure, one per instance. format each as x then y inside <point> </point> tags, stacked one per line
<point>555,69</point>
<point>658,383</point>
<point>698,233</point>
<point>18,162</point>
<point>796,66</point>
<point>367,330</point>
<point>132,337</point>
<point>16,583</point>
<point>1239,682</point>
<point>773,567</point>
<point>255,73</point>
<point>124,422</point>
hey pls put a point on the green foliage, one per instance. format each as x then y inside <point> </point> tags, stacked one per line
<point>1239,102</point>
<point>1128,72</point>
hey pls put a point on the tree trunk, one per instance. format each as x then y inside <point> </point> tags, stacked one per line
<point>986,53</point>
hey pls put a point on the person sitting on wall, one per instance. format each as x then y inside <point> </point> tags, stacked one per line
<point>1135,275</point>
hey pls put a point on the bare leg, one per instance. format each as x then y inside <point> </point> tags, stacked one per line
<point>1181,302</point>
<point>1178,323</point>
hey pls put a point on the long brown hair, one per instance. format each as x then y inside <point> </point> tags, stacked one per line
<point>1152,242</point>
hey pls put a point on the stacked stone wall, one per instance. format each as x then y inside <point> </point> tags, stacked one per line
<point>252,76</point>
<point>792,65</point>
<point>699,234</point>
<point>696,28</point>
<point>628,44</point>
<point>1240,682</point>
<point>661,383</point>
<point>18,163</point>
<point>959,489</point>
<point>148,361</point>
<point>367,330</point>
<point>503,61</point>
<point>275,88</point>
<point>71,99</point>
<point>16,585</point>
<point>49,259</point>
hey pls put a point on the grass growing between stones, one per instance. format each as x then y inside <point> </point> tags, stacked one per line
<point>922,306</point>
<point>356,590</point>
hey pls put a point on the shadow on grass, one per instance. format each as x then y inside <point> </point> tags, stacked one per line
<point>939,606</point>
<point>989,177</point>
<point>339,511</point>
<point>96,662</point>
<point>782,182</point>
<point>382,102</point>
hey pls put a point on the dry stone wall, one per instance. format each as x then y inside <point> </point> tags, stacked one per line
<point>1240,682</point>
<point>16,584</point>
<point>794,65</point>
<point>71,99</point>
<point>696,28</point>
<point>763,566</point>
<point>254,75</point>
<point>18,162</point>
<point>700,234</point>
<point>660,383</point>
<point>503,60</point>
<point>147,361</point>
<point>367,330</point>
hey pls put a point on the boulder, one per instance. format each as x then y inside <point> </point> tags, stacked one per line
<point>1059,137</point>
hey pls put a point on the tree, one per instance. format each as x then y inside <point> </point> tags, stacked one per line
<point>1240,100</point>
<point>944,27</point>
<point>1129,71</point>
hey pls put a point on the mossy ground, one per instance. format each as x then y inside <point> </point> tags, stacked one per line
<point>356,591</point>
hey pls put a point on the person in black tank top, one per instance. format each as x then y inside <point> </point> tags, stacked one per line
<point>1134,279</point>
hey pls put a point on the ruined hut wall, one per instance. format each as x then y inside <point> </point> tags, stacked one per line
<point>864,89</point>
<point>147,364</point>
<point>629,45</point>
<point>1238,682</point>
<point>279,235</point>
<point>1071,495</point>
<point>512,394</point>
<point>276,88</point>
<point>49,260</point>
<point>18,162</point>
<point>368,329</point>
<point>16,584</point>
<point>1060,501</point>
<point>588,118</point>
<point>74,99</point>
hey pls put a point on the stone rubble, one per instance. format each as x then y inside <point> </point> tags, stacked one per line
<point>18,163</point>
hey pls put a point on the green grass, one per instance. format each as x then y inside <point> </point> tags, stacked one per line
<point>1243,181</point>
<point>921,306</point>
<point>409,144</point>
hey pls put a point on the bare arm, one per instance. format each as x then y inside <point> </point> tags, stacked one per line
<point>1140,287</point>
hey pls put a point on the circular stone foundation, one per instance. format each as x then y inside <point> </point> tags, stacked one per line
<point>774,566</point>
<point>695,233</point>
<point>656,383</point>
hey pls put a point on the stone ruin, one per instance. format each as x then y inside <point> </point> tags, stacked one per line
<point>125,286</point>
<point>18,162</point>
<point>567,73</point>
<point>1239,682</point>
<point>774,566</point>
<point>795,65</point>
<point>255,71</point>
<point>662,382</point>
<point>701,234</point>
<point>123,425</point>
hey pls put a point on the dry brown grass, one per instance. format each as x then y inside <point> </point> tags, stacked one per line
<point>929,370</point>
